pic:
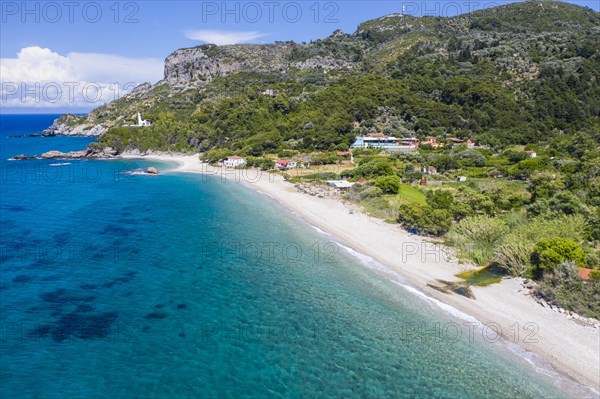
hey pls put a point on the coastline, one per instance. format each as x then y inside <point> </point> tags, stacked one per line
<point>570,348</point>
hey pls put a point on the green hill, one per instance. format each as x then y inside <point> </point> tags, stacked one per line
<point>516,74</point>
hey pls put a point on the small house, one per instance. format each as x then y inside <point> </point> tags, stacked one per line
<point>433,142</point>
<point>429,170</point>
<point>340,184</point>
<point>410,142</point>
<point>269,92</point>
<point>532,154</point>
<point>461,179</point>
<point>234,161</point>
<point>283,164</point>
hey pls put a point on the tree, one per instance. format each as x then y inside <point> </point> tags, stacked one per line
<point>373,167</point>
<point>440,199</point>
<point>442,162</point>
<point>562,202</point>
<point>428,221</point>
<point>388,184</point>
<point>545,185</point>
<point>439,222</point>
<point>552,252</point>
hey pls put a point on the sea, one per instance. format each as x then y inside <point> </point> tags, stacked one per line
<point>122,285</point>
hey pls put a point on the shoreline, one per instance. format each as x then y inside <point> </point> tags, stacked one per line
<point>571,349</point>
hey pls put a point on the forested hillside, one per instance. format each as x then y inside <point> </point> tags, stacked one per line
<point>518,74</point>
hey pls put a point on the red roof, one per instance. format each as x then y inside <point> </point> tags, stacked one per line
<point>584,273</point>
<point>530,152</point>
<point>283,161</point>
<point>343,153</point>
<point>377,135</point>
<point>431,168</point>
<point>235,157</point>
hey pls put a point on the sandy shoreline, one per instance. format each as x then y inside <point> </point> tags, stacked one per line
<point>570,348</point>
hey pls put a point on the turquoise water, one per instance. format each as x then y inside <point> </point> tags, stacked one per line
<point>179,286</point>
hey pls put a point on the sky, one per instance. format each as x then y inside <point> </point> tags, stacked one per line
<point>72,56</point>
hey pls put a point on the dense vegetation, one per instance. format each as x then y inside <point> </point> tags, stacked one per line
<point>512,78</point>
<point>537,218</point>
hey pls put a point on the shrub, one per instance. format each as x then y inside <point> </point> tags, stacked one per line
<point>359,192</point>
<point>564,286</point>
<point>215,155</point>
<point>477,237</point>
<point>388,184</point>
<point>428,221</point>
<point>513,254</point>
<point>440,199</point>
<point>567,226</point>
<point>548,254</point>
<point>371,168</point>
<point>438,222</point>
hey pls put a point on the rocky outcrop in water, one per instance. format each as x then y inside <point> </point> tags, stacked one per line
<point>73,125</point>
<point>89,152</point>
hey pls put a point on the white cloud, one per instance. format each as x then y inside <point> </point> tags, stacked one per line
<point>39,77</point>
<point>221,37</point>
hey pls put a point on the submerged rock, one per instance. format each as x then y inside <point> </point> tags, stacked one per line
<point>152,170</point>
<point>23,157</point>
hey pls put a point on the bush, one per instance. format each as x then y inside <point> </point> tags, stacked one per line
<point>360,192</point>
<point>513,254</point>
<point>371,168</point>
<point>440,199</point>
<point>562,202</point>
<point>564,286</point>
<point>477,237</point>
<point>438,222</point>
<point>388,184</point>
<point>215,155</point>
<point>428,221</point>
<point>548,254</point>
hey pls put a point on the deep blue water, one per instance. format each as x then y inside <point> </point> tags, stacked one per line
<point>178,286</point>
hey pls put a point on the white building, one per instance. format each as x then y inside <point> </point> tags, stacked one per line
<point>234,161</point>
<point>141,122</point>
<point>286,164</point>
<point>390,143</point>
<point>341,184</point>
<point>532,154</point>
<point>269,92</point>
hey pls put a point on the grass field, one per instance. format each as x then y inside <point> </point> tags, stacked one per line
<point>412,193</point>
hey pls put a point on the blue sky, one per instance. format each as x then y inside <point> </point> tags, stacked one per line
<point>126,41</point>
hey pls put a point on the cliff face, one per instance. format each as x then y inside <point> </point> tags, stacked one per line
<point>204,63</point>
